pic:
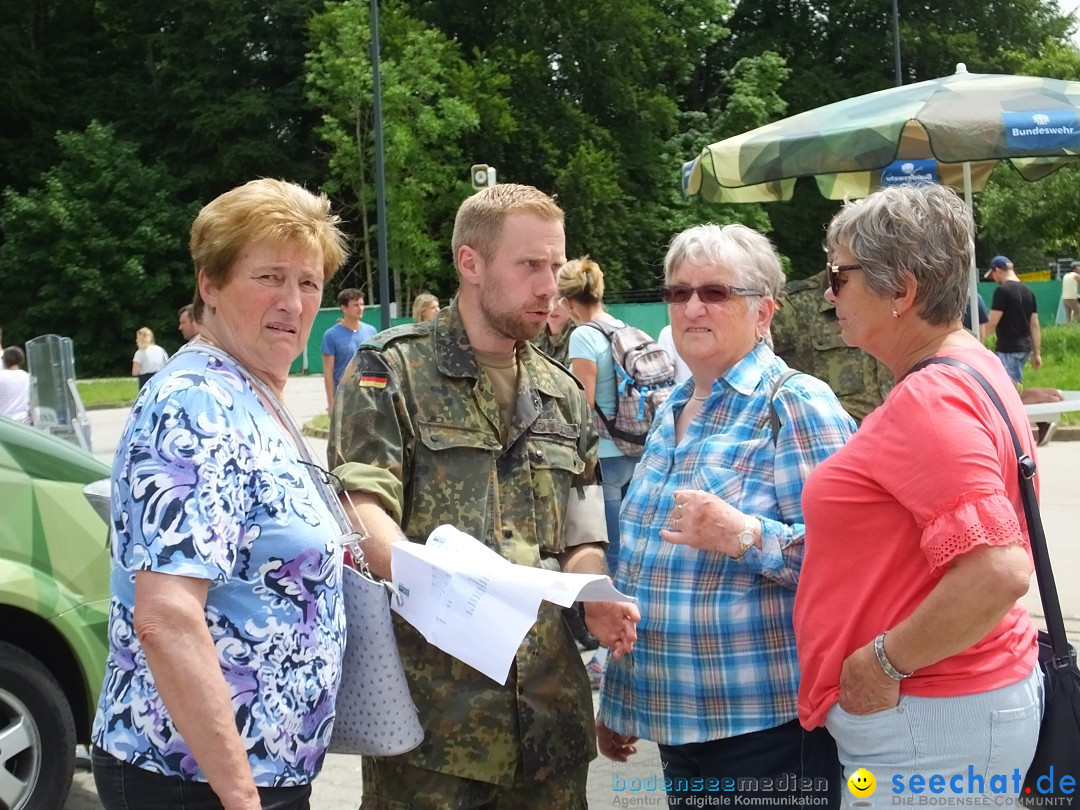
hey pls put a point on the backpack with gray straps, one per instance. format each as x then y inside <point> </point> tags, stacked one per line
<point>644,378</point>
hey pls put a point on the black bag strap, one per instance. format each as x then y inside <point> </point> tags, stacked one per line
<point>1044,574</point>
<point>774,417</point>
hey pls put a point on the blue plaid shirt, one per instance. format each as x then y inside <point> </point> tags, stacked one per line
<point>715,655</point>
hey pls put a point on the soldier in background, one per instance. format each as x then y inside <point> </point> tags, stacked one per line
<point>806,336</point>
<point>554,338</point>
<point>461,420</point>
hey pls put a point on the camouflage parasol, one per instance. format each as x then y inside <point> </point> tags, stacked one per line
<point>928,130</point>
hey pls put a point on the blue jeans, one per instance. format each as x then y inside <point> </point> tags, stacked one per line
<point>767,764</point>
<point>617,472</point>
<point>122,786</point>
<point>976,736</point>
<point>1014,364</point>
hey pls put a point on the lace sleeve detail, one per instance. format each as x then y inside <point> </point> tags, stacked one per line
<point>979,518</point>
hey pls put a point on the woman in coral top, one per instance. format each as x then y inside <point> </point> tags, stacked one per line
<point>913,649</point>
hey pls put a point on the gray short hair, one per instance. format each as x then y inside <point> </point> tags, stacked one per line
<point>749,256</point>
<point>924,231</point>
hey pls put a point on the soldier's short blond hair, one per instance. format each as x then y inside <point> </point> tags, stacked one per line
<point>480,218</point>
<point>260,210</point>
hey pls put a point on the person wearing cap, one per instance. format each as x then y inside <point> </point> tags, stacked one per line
<point>1014,318</point>
<point>1069,284</point>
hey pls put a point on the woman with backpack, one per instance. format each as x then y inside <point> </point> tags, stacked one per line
<point>581,290</point>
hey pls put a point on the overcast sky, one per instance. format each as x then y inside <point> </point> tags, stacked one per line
<point>1070,5</point>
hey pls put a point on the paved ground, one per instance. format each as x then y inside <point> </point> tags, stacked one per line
<point>338,787</point>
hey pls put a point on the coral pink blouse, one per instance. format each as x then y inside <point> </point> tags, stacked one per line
<point>928,476</point>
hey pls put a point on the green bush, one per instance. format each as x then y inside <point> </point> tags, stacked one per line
<point>1061,364</point>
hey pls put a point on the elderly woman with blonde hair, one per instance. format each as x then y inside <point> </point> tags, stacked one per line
<point>226,623</point>
<point>914,650</point>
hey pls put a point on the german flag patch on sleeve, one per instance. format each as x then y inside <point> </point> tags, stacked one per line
<point>373,379</point>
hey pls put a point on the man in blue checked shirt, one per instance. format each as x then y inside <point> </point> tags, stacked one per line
<point>712,543</point>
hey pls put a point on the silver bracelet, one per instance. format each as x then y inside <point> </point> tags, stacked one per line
<point>886,664</point>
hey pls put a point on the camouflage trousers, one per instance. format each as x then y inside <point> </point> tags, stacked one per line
<point>390,785</point>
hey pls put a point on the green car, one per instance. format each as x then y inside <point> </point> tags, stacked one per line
<point>54,606</point>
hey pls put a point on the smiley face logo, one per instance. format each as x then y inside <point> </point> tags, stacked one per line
<point>862,783</point>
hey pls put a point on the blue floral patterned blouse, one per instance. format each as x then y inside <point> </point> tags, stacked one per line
<point>205,484</point>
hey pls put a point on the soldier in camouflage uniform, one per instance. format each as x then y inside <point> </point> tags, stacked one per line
<point>556,345</point>
<point>461,420</point>
<point>807,337</point>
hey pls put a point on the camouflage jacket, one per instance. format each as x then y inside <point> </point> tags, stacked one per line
<point>806,336</point>
<point>557,347</point>
<point>413,408</point>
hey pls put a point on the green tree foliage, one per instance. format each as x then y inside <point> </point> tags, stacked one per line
<point>93,252</point>
<point>599,94</point>
<point>214,88</point>
<point>48,59</point>
<point>431,101</point>
<point>601,103</point>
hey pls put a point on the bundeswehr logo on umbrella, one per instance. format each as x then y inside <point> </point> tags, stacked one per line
<point>1042,129</point>
<point>909,172</point>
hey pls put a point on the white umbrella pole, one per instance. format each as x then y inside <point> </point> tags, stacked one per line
<point>973,297</point>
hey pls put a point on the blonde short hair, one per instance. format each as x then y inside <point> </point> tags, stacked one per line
<point>263,209</point>
<point>480,218</point>
<point>144,337</point>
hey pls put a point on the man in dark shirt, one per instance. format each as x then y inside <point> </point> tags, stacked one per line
<point>1014,318</point>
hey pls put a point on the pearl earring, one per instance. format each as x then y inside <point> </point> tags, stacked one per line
<point>895,314</point>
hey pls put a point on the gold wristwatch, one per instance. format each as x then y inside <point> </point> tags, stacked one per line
<point>746,537</point>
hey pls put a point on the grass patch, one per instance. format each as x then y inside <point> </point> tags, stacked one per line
<point>319,422</point>
<point>1061,364</point>
<point>111,392</point>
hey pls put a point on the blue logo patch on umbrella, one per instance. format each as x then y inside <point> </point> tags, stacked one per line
<point>1045,129</point>
<point>909,172</point>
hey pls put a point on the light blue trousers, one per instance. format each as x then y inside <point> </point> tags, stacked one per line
<point>978,744</point>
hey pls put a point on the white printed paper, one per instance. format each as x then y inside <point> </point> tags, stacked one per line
<point>476,606</point>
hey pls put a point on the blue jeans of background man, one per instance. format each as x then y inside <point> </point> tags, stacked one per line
<point>122,786</point>
<point>617,472</point>
<point>1014,364</point>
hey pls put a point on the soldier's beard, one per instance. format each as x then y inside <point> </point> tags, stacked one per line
<point>510,324</point>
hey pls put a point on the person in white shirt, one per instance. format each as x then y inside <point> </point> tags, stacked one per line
<point>14,386</point>
<point>149,359</point>
<point>1069,283</point>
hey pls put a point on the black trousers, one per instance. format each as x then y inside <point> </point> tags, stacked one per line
<point>122,786</point>
<point>785,761</point>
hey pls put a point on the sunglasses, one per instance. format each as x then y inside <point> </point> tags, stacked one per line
<point>835,282</point>
<point>706,293</point>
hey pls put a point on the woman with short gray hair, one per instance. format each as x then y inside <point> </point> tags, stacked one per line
<point>749,254</point>
<point>913,648</point>
<point>712,543</point>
